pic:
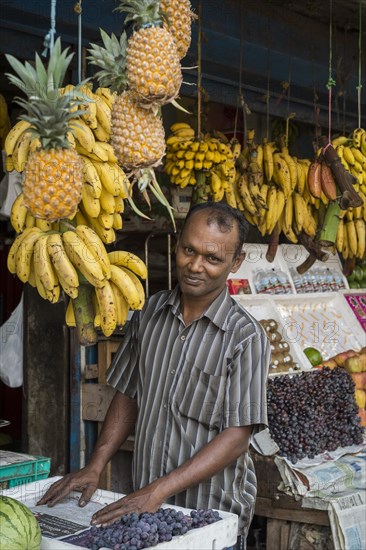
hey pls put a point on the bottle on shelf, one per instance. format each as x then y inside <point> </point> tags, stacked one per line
<point>261,282</point>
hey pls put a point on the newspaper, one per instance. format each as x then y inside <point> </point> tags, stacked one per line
<point>335,482</point>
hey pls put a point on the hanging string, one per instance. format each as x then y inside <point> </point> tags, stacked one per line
<point>78,9</point>
<point>240,70</point>
<point>199,69</point>
<point>49,39</point>
<point>359,87</point>
<point>331,82</point>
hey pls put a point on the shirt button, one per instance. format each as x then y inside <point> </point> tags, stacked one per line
<point>165,405</point>
<point>183,338</point>
<point>172,371</point>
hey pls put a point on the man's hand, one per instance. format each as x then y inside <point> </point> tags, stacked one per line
<point>85,480</point>
<point>146,499</point>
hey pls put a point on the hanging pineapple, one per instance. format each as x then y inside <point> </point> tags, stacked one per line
<point>178,17</point>
<point>137,134</point>
<point>153,68</point>
<point>52,176</point>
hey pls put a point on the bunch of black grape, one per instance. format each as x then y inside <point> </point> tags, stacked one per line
<point>135,531</point>
<point>313,412</point>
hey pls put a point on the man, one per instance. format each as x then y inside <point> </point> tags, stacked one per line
<point>191,379</point>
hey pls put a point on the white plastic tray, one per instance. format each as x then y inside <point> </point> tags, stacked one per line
<point>216,536</point>
<point>263,307</point>
<point>323,321</point>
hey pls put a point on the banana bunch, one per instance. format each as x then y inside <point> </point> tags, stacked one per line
<point>5,124</point>
<point>188,155</point>
<point>352,152</point>
<point>52,261</point>
<point>121,292</point>
<point>351,234</point>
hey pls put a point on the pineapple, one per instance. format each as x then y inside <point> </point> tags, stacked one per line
<point>52,176</point>
<point>178,17</point>
<point>137,134</point>
<point>152,63</point>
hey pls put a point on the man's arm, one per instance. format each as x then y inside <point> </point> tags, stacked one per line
<point>119,423</point>
<point>211,459</point>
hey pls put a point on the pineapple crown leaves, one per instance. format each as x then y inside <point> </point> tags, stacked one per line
<point>38,82</point>
<point>141,12</point>
<point>50,119</point>
<point>111,58</point>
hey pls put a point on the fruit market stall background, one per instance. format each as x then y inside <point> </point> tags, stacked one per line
<point>271,123</point>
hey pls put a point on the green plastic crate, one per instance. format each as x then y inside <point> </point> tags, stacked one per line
<point>19,473</point>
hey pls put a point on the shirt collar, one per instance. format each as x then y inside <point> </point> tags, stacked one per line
<point>217,312</point>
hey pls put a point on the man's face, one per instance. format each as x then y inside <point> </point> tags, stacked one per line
<point>205,257</point>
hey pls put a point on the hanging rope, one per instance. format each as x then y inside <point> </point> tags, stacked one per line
<point>359,87</point>
<point>78,9</point>
<point>331,82</point>
<point>49,39</point>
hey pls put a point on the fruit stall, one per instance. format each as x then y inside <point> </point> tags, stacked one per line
<point>114,119</point>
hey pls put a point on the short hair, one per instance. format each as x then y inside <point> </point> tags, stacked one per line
<point>224,216</point>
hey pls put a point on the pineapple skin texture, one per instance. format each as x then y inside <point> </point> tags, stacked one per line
<point>179,16</point>
<point>52,183</point>
<point>138,136</point>
<point>153,67</point>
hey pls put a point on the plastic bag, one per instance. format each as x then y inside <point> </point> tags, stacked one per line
<point>11,348</point>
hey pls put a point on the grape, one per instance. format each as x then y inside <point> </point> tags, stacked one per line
<point>313,412</point>
<point>137,531</point>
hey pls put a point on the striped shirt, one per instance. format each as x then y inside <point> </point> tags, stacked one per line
<point>191,382</point>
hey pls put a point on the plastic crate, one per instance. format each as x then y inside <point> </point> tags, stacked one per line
<point>18,473</point>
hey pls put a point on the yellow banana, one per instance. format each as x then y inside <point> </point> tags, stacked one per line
<point>42,264</point>
<point>126,286</point>
<point>289,210</point>
<point>108,236</point>
<point>300,211</point>
<point>292,167</point>
<point>21,151</point>
<point>95,247</point>
<point>109,176</point>
<point>340,236</point>
<point>348,155</point>
<point>11,259</point>
<point>103,113</point>
<point>109,151</point>
<point>30,221</point>
<point>90,175</point>
<point>79,256</point>
<point>44,225</point>
<point>281,174</point>
<point>90,203</point>
<point>117,221</point>
<point>62,265</point>
<point>121,306</point>
<point>123,258</point>
<point>243,190</point>
<point>107,307</point>
<point>70,315</point>
<point>272,209</point>
<point>136,281</point>
<point>24,254</point>
<point>361,235</point>
<point>100,134</point>
<point>12,137</point>
<point>179,126</point>
<point>352,236</point>
<point>83,134</point>
<point>106,220</point>
<point>119,205</point>
<point>107,95</point>
<point>107,201</point>
<point>357,136</point>
<point>18,214</point>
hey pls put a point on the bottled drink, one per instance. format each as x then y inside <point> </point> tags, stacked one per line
<point>284,283</point>
<point>297,280</point>
<point>261,281</point>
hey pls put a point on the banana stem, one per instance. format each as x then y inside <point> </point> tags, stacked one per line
<point>328,232</point>
<point>199,193</point>
<point>84,315</point>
